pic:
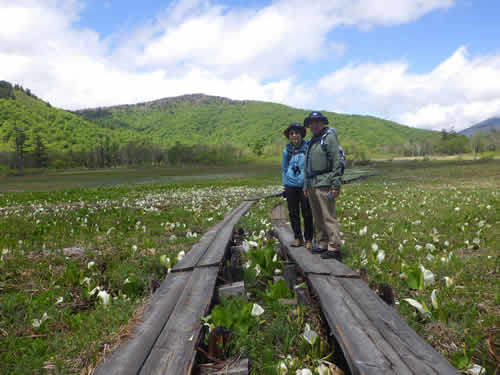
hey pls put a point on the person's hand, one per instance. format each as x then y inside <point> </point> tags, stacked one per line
<point>334,193</point>
<point>305,193</point>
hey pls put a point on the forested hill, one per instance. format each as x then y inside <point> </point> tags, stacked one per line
<point>22,112</point>
<point>199,118</point>
<point>187,119</point>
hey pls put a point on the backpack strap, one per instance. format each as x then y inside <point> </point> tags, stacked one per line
<point>329,130</point>
<point>290,152</point>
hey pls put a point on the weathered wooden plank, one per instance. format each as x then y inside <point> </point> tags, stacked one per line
<point>348,180</point>
<point>419,355</point>
<point>194,255</point>
<point>129,357</point>
<point>308,262</point>
<point>393,357</point>
<point>215,252</point>
<point>174,348</point>
<point>305,260</point>
<point>363,355</point>
<point>279,213</point>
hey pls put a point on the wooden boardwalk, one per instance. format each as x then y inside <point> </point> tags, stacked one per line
<point>373,338</point>
<point>166,341</point>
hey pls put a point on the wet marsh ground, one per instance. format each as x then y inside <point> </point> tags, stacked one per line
<point>58,309</point>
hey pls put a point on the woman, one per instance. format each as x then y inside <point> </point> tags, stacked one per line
<point>292,179</point>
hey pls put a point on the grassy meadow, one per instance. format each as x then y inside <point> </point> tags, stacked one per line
<point>79,251</point>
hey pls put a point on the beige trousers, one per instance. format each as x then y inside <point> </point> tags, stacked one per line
<point>325,218</point>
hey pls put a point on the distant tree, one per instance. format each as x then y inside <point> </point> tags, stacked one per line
<point>476,143</point>
<point>258,147</point>
<point>5,90</point>
<point>40,154</point>
<point>20,145</point>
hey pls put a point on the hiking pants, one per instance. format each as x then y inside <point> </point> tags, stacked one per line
<point>296,200</point>
<point>325,217</point>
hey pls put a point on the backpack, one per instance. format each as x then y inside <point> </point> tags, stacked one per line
<point>341,152</point>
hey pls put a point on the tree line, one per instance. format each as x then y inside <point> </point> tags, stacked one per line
<point>109,154</point>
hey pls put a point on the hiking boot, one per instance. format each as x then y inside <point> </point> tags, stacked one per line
<point>318,250</point>
<point>309,245</point>
<point>332,254</point>
<point>297,243</point>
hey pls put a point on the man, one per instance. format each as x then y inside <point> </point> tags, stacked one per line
<point>292,179</point>
<point>324,169</point>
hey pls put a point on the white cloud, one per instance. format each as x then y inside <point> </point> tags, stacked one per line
<point>265,42</point>
<point>250,53</point>
<point>457,93</point>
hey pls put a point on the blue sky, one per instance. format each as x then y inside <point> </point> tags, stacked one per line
<point>425,63</point>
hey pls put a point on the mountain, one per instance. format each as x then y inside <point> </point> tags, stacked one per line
<point>188,119</point>
<point>483,127</point>
<point>199,118</point>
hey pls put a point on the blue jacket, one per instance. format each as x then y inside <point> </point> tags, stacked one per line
<point>292,165</point>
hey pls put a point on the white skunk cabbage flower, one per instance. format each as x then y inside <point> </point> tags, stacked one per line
<point>257,270</point>
<point>309,335</point>
<point>257,310</point>
<point>38,322</point>
<point>430,247</point>
<point>246,246</point>
<point>181,255</point>
<point>434,300</point>
<point>363,231</point>
<point>428,276</point>
<point>448,281</point>
<point>328,368</point>
<point>164,260</point>
<point>374,246</point>
<point>90,265</point>
<point>381,256</point>
<point>420,307</point>
<point>282,369</point>
<point>476,370</point>
<point>304,371</point>
<point>323,370</point>
<point>104,297</point>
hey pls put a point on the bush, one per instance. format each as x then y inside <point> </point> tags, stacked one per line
<point>58,164</point>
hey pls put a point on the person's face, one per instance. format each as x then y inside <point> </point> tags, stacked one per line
<point>295,137</point>
<point>316,126</point>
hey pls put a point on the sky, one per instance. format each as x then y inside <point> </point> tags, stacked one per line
<point>431,64</point>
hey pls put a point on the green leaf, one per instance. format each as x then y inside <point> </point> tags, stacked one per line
<point>460,360</point>
<point>277,290</point>
<point>415,279</point>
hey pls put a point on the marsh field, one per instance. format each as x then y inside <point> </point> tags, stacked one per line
<point>80,250</point>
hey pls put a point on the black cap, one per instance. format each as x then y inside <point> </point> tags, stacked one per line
<point>296,126</point>
<point>315,115</point>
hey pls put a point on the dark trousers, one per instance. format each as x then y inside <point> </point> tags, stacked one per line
<point>297,201</point>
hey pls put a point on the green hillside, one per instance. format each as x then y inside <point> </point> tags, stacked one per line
<point>59,130</point>
<point>197,118</point>
<point>190,120</point>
